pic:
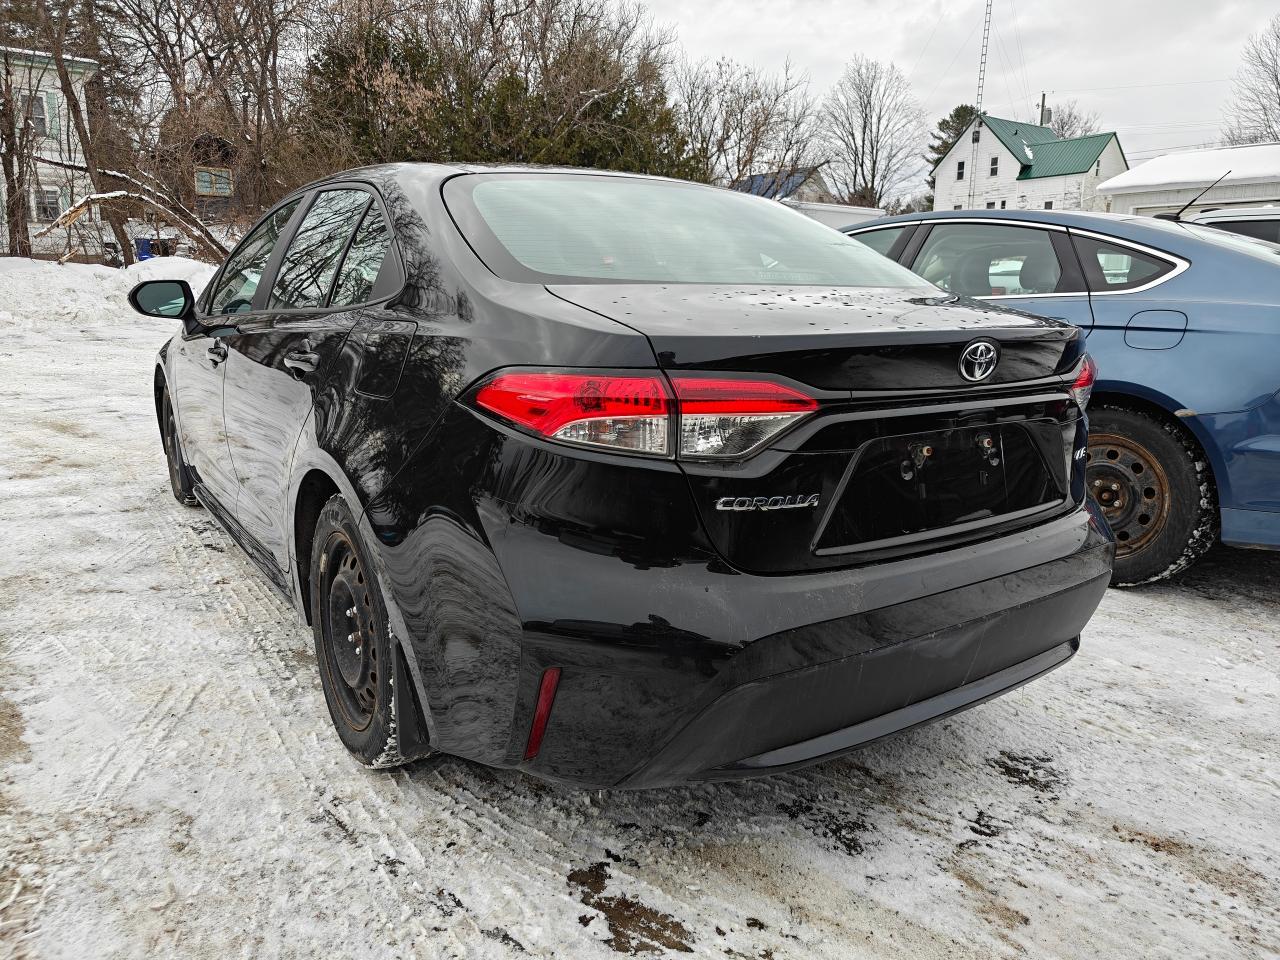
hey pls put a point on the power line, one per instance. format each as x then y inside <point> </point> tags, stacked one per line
<point>1141,86</point>
<point>947,72</point>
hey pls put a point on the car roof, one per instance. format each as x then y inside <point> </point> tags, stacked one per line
<point>443,171</point>
<point>1065,218</point>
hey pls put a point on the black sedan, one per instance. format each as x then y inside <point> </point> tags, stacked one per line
<point>626,481</point>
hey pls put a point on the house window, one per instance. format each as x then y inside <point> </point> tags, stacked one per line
<point>213,182</point>
<point>1048,204</point>
<point>991,205</point>
<point>33,110</point>
<point>995,166</point>
<point>960,170</point>
<point>48,204</point>
<point>956,207</point>
<point>1001,204</point>
<point>977,134</point>
<point>1097,168</point>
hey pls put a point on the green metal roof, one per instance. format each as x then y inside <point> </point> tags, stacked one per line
<point>1018,136</point>
<point>1041,153</point>
<point>1061,157</point>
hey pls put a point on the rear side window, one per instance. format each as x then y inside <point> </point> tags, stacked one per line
<point>360,267</point>
<point>1108,266</point>
<point>881,241</point>
<point>990,260</point>
<point>239,279</point>
<point>311,261</point>
<point>1258,229</point>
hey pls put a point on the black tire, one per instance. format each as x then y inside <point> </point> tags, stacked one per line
<point>180,481</point>
<point>353,642</point>
<point>1154,485</point>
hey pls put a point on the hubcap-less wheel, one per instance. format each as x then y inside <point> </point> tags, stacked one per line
<point>171,449</point>
<point>1131,487</point>
<point>347,626</point>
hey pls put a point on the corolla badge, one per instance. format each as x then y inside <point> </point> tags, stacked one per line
<point>979,359</point>
<point>768,503</point>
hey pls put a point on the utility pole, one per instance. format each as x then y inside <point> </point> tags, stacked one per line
<point>977,104</point>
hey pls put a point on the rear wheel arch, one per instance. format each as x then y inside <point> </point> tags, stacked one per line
<point>1152,477</point>
<point>1163,412</point>
<point>314,490</point>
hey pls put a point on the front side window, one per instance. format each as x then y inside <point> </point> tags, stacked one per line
<point>547,228</point>
<point>995,166</point>
<point>1112,267</point>
<point>310,263</point>
<point>239,280</point>
<point>960,170</point>
<point>989,260</point>
<point>359,271</point>
<point>881,241</point>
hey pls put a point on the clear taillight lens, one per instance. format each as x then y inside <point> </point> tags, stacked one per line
<point>617,411</point>
<point>715,417</point>
<point>1083,385</point>
<point>729,418</point>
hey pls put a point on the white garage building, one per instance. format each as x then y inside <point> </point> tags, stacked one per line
<point>1165,184</point>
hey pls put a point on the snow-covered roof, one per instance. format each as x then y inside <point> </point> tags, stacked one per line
<point>1255,163</point>
<point>40,56</point>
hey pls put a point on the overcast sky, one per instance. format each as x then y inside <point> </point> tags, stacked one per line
<point>1069,49</point>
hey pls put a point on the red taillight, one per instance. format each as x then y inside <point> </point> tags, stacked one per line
<point>1083,385</point>
<point>724,417</point>
<point>716,417</point>
<point>600,410</point>
<point>542,711</point>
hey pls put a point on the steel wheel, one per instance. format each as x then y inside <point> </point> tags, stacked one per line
<point>1132,488</point>
<point>347,625</point>
<point>179,478</point>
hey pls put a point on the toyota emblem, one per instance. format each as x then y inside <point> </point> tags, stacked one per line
<point>979,359</point>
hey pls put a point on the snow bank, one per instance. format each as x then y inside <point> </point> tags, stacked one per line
<point>83,294</point>
<point>1256,163</point>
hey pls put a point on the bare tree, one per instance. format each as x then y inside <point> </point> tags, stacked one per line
<point>741,121</point>
<point>1070,120</point>
<point>1254,114</point>
<point>875,133</point>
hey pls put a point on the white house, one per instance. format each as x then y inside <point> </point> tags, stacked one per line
<point>1166,183</point>
<point>34,81</point>
<point>1007,165</point>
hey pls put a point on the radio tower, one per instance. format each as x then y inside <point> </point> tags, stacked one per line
<point>977,104</point>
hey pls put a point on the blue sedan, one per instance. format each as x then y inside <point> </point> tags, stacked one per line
<point>1184,323</point>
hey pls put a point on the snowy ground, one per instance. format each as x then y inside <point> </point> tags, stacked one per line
<point>169,785</point>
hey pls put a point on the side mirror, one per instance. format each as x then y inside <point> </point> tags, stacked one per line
<point>169,299</point>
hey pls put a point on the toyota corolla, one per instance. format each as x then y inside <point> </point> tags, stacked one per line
<point>625,481</point>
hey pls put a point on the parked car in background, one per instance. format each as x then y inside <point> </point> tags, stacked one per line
<point>1261,223</point>
<point>1184,322</point>
<point>628,481</point>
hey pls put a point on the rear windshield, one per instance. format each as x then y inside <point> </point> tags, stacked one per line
<point>581,228</point>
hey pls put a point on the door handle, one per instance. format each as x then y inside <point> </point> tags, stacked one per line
<point>301,362</point>
<point>217,352</point>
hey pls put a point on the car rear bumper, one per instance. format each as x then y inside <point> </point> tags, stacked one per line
<point>656,705</point>
<point>673,665</point>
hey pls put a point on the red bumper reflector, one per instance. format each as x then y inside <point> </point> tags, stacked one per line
<point>542,712</point>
